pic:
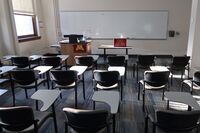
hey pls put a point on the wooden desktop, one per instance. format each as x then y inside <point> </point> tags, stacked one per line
<point>74,49</point>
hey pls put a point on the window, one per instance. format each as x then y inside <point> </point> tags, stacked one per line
<point>25,20</point>
<point>25,25</point>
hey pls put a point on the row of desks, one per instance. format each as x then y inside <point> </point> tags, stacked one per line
<point>48,97</point>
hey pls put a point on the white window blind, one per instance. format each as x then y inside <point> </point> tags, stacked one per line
<point>25,19</point>
<point>23,6</point>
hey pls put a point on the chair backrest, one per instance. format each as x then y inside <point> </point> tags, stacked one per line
<point>20,62</point>
<point>84,61</point>
<point>177,120</point>
<point>145,60</point>
<point>87,121</point>
<point>106,78</point>
<point>16,118</point>
<point>163,60</point>
<point>63,77</point>
<point>23,77</point>
<point>180,61</point>
<point>51,54</point>
<point>196,77</point>
<point>156,78</point>
<point>116,60</point>
<point>52,61</point>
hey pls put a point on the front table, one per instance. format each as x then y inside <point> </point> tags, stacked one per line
<point>109,97</point>
<point>104,47</point>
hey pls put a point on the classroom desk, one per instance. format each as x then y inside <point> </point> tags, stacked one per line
<point>42,70</point>
<point>109,97</point>
<point>3,91</point>
<point>31,58</point>
<point>121,71</point>
<point>36,57</point>
<point>159,68</point>
<point>182,97</point>
<point>63,58</point>
<point>80,70</point>
<point>104,47</point>
<point>48,98</point>
<point>6,69</point>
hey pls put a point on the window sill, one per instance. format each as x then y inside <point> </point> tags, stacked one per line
<point>29,38</point>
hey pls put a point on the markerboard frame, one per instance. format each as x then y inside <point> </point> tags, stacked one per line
<point>128,38</point>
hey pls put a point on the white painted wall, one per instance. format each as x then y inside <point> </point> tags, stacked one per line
<point>49,20</point>
<point>8,41</point>
<point>36,46</point>
<point>6,30</point>
<point>196,42</point>
<point>192,27</point>
<point>179,19</point>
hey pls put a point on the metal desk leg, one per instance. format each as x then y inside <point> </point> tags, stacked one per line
<point>121,88</point>
<point>126,51</point>
<point>12,89</point>
<point>167,104</point>
<point>94,105</point>
<point>54,118</point>
<point>113,123</point>
<point>83,85</point>
<point>36,103</point>
<point>104,54</point>
<point>47,74</point>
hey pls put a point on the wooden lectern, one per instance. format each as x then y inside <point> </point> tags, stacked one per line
<point>75,49</point>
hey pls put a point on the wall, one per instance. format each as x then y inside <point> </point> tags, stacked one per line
<point>7,39</point>
<point>36,46</point>
<point>179,19</point>
<point>192,27</point>
<point>48,9</point>
<point>196,42</point>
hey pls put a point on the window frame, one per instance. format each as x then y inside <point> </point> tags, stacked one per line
<point>29,37</point>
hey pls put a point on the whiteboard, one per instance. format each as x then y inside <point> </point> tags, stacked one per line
<point>113,24</point>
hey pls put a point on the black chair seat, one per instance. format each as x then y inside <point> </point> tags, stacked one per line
<point>106,79</point>
<point>25,79</point>
<point>22,119</point>
<point>87,121</point>
<point>54,61</point>
<point>174,121</point>
<point>179,64</point>
<point>41,117</point>
<point>21,62</point>
<point>85,61</point>
<point>65,79</point>
<point>153,80</point>
<point>69,86</point>
<point>194,83</point>
<point>143,62</point>
<point>30,86</point>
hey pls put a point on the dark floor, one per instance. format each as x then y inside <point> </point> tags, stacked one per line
<point>130,118</point>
